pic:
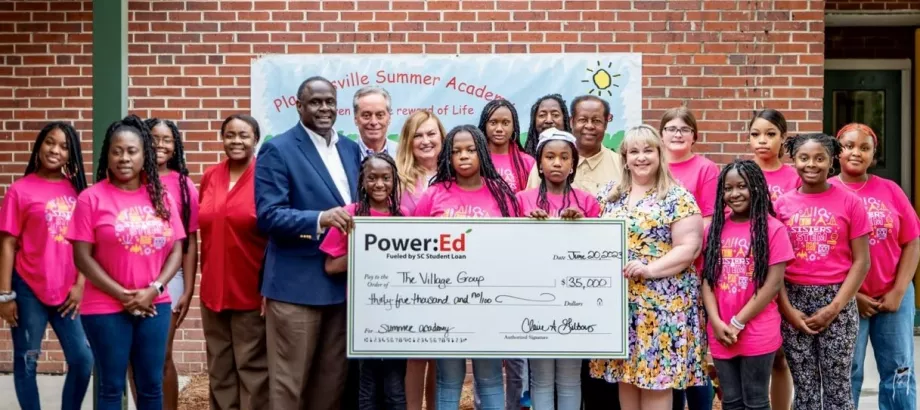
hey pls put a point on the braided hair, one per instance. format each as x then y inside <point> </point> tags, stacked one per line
<point>533,136</point>
<point>500,190</point>
<point>761,207</point>
<point>177,164</point>
<point>363,207</point>
<point>149,174</point>
<point>542,201</point>
<point>829,143</point>
<point>73,169</point>
<point>514,145</point>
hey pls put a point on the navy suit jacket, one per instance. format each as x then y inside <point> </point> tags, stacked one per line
<point>292,187</point>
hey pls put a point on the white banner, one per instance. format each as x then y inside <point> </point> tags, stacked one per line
<point>454,87</point>
<point>434,288</point>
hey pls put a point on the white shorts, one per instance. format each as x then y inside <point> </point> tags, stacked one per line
<point>175,288</point>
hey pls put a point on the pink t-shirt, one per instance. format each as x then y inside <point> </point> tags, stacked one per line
<point>577,198</point>
<point>821,227</point>
<point>171,181</point>
<point>782,180</point>
<point>700,176</point>
<point>894,223</point>
<point>37,211</point>
<point>409,200</point>
<point>505,167</point>
<point>736,287</point>
<point>130,241</point>
<point>456,202</point>
<point>335,244</point>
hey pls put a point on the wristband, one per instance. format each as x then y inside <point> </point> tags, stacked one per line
<point>736,324</point>
<point>7,297</point>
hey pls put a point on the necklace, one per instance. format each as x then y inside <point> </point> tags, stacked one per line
<point>857,189</point>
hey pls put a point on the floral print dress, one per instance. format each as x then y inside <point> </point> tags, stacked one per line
<point>667,338</point>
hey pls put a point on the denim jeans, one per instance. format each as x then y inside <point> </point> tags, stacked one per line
<point>34,317</point>
<point>489,383</point>
<point>514,382</point>
<point>559,376</point>
<point>382,384</point>
<point>695,397</point>
<point>119,338</point>
<point>892,336</point>
<point>745,382</point>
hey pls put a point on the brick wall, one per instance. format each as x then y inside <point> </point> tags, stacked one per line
<point>189,60</point>
<point>872,5</point>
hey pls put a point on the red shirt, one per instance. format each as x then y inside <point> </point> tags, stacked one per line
<point>232,248</point>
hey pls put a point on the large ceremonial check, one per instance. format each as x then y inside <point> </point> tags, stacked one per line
<point>435,288</point>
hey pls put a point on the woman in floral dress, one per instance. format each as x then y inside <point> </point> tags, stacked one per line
<point>664,228</point>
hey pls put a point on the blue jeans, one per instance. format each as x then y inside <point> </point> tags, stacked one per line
<point>892,335</point>
<point>34,317</point>
<point>695,397</point>
<point>559,376</point>
<point>382,384</point>
<point>489,383</point>
<point>119,338</point>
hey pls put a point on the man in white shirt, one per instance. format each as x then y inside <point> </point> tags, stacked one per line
<point>372,117</point>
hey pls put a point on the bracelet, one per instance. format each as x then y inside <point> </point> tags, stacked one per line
<point>7,297</point>
<point>736,324</point>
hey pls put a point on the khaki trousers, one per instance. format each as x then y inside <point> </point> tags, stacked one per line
<point>237,362</point>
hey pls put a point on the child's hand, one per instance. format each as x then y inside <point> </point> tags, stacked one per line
<point>797,320</point>
<point>867,305</point>
<point>821,319</point>
<point>723,333</point>
<point>538,214</point>
<point>572,214</point>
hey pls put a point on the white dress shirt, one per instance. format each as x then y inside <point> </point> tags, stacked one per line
<point>330,155</point>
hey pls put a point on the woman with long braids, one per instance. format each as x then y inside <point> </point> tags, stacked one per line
<point>886,298</point>
<point>499,123</point>
<point>553,380</point>
<point>127,236</point>
<point>745,255</point>
<point>39,283</point>
<point>829,229</point>
<point>378,195</point>
<point>174,176</point>
<point>232,252</point>
<point>468,186</point>
<point>548,112</point>
<point>664,234</point>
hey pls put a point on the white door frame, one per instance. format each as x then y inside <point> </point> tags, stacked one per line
<point>902,65</point>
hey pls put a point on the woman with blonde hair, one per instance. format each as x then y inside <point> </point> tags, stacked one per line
<point>420,143</point>
<point>664,236</point>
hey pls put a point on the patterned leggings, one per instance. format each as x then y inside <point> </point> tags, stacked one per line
<point>820,364</point>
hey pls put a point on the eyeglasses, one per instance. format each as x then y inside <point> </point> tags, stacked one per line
<point>680,130</point>
<point>167,141</point>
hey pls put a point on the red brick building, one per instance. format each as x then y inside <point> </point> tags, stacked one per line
<point>190,61</point>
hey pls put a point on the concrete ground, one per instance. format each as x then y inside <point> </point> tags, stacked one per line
<point>50,387</point>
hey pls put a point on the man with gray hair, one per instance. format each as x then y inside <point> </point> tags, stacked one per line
<point>372,117</point>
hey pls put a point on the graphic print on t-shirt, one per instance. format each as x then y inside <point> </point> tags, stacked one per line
<point>737,270</point>
<point>879,218</point>
<point>57,216</point>
<point>775,192</point>
<point>141,231</point>
<point>813,231</point>
<point>465,211</point>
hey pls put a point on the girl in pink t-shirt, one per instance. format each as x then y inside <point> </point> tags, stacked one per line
<point>378,195</point>
<point>174,175</point>
<point>745,254</point>
<point>886,297</point>
<point>39,283</point>
<point>499,123</point>
<point>468,186</point>
<point>829,230</point>
<point>556,198</point>
<point>696,173</point>
<point>127,236</point>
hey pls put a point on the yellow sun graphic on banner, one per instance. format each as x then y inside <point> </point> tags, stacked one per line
<point>601,80</point>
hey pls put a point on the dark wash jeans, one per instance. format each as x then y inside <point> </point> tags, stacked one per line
<point>745,381</point>
<point>382,384</point>
<point>34,317</point>
<point>120,338</point>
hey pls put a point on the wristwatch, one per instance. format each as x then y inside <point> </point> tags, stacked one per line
<point>7,297</point>
<point>158,286</point>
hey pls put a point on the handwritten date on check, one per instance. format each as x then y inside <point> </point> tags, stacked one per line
<point>486,288</point>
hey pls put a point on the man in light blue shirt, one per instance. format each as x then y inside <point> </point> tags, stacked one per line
<point>372,117</point>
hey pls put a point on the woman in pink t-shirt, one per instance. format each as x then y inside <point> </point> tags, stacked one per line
<point>694,172</point>
<point>127,236</point>
<point>499,123</point>
<point>829,230</point>
<point>767,131</point>
<point>468,186</point>
<point>557,380</point>
<point>174,175</point>
<point>886,297</point>
<point>39,283</point>
<point>745,255</point>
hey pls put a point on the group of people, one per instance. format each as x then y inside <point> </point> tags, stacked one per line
<point>778,274</point>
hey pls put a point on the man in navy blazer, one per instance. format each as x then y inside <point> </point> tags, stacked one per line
<point>304,178</point>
